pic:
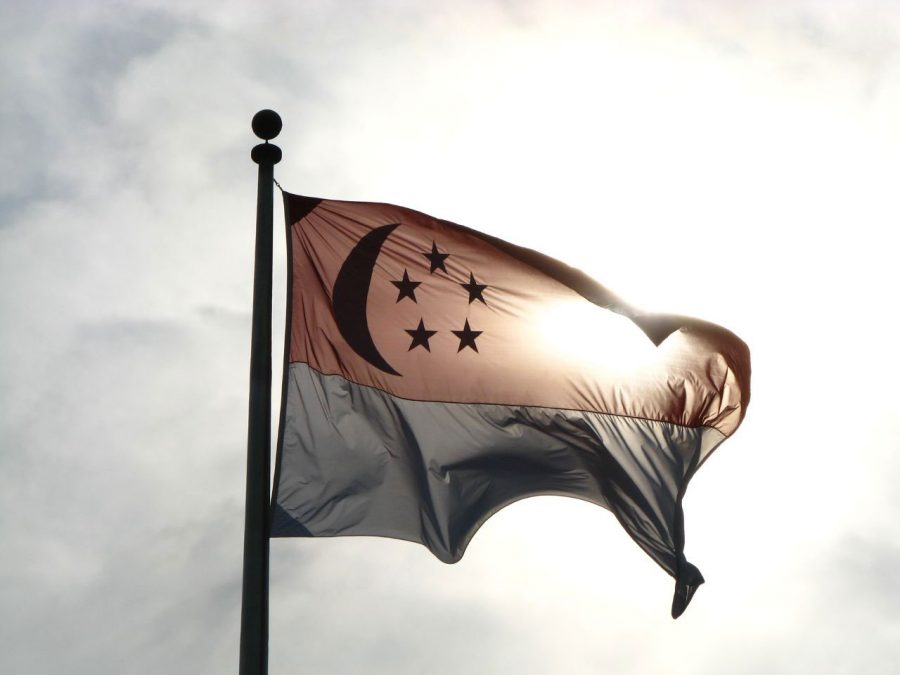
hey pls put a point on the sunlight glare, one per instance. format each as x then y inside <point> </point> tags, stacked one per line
<point>594,337</point>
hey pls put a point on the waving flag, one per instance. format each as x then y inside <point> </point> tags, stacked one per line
<point>435,374</point>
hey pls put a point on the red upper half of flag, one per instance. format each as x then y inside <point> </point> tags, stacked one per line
<point>428,310</point>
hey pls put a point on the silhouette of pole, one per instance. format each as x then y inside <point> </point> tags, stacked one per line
<point>255,590</point>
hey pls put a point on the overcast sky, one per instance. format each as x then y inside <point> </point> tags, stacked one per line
<point>736,161</point>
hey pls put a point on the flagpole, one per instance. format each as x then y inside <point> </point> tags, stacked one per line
<point>255,591</point>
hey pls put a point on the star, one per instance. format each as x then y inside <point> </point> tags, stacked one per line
<point>407,288</point>
<point>467,337</point>
<point>420,336</point>
<point>436,259</point>
<point>475,289</point>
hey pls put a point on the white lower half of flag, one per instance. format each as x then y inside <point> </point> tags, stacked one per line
<point>355,460</point>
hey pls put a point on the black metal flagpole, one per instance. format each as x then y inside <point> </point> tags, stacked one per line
<point>255,591</point>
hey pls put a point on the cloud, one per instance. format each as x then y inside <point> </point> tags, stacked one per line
<point>59,69</point>
<point>752,144</point>
<point>121,500</point>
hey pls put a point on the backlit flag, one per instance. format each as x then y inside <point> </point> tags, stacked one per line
<point>435,374</point>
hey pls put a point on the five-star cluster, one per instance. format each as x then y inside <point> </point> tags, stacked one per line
<point>406,288</point>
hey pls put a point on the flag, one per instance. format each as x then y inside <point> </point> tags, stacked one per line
<point>435,374</point>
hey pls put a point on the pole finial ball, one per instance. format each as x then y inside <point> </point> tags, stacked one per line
<point>266,124</point>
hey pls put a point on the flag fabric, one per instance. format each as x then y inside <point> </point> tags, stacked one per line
<point>435,374</point>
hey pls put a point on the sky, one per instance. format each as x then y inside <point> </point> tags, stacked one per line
<point>735,161</point>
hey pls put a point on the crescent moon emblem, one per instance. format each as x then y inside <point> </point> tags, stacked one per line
<point>350,296</point>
